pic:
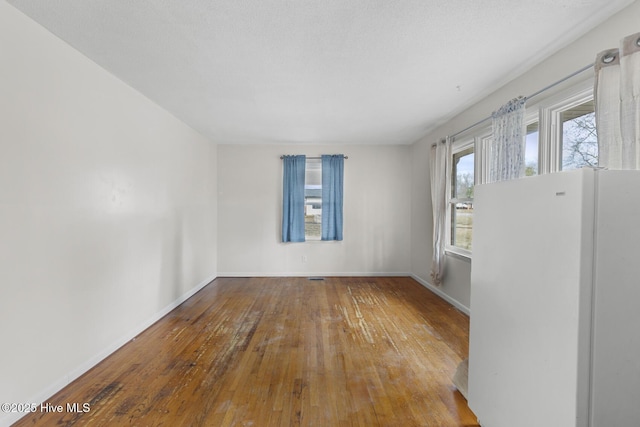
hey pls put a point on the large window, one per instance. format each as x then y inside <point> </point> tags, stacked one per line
<point>461,199</point>
<point>560,135</point>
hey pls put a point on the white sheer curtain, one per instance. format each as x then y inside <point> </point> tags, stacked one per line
<point>617,98</point>
<point>506,151</point>
<point>438,168</point>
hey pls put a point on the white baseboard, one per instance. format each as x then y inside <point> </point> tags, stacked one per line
<point>463,308</point>
<point>424,283</point>
<point>312,274</point>
<point>58,385</point>
<point>138,329</point>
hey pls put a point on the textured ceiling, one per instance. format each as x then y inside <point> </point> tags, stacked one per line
<point>316,71</point>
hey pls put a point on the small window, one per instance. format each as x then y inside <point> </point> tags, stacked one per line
<point>313,199</point>
<point>579,137</point>
<point>461,202</point>
<point>531,150</point>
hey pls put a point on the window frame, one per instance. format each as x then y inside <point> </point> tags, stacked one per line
<point>458,147</point>
<point>482,142</point>
<point>550,113</point>
<point>531,117</point>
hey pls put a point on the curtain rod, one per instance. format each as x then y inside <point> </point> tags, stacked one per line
<point>544,89</point>
<point>317,157</point>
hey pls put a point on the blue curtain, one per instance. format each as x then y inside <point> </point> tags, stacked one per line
<point>332,183</point>
<point>293,199</point>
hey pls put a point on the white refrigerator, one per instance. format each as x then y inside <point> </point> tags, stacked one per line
<point>555,301</point>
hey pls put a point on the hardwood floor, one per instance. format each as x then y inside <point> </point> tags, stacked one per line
<point>280,352</point>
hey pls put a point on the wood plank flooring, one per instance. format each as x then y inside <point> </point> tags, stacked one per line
<point>284,352</point>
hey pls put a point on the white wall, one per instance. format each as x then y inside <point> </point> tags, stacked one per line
<point>376,213</point>
<point>573,57</point>
<point>107,211</point>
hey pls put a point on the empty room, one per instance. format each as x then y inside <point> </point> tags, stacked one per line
<point>319,213</point>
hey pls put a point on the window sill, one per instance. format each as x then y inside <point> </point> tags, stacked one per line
<point>458,253</point>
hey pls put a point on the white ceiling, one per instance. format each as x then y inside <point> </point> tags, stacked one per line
<point>317,71</point>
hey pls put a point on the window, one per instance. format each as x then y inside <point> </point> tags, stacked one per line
<point>568,129</point>
<point>313,199</point>
<point>560,135</point>
<point>531,150</point>
<point>460,207</point>
<point>579,137</point>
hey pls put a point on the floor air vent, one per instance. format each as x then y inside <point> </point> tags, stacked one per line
<point>316,278</point>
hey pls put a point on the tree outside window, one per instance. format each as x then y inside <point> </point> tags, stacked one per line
<point>579,137</point>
